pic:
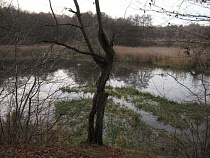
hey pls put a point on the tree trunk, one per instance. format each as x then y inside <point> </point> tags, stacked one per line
<point>95,129</point>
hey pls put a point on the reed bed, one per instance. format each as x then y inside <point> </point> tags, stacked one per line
<point>24,51</point>
<point>167,56</point>
<point>36,49</point>
<point>164,56</point>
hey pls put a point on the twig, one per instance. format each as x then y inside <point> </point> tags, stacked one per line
<point>50,126</point>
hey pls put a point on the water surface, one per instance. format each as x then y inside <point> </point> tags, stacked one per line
<point>178,85</point>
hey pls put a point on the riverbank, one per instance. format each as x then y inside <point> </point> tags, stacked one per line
<point>125,132</point>
<point>124,126</point>
<point>160,56</point>
<point>133,117</point>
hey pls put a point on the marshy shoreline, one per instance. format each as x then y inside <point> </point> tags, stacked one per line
<point>160,55</point>
<point>124,128</point>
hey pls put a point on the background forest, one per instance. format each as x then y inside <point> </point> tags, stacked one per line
<point>133,31</point>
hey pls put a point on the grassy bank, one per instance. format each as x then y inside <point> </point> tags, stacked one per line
<point>125,133</point>
<point>123,127</point>
<point>169,112</point>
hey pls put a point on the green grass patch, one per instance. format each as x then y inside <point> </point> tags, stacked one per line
<point>169,112</point>
<point>124,60</point>
<point>169,65</point>
<point>123,127</point>
<point>120,123</point>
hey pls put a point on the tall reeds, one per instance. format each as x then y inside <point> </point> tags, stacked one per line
<point>164,56</point>
<point>167,56</point>
<point>25,51</point>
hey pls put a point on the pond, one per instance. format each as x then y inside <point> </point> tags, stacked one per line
<point>174,84</point>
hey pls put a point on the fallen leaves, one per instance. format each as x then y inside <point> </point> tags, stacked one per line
<point>83,150</point>
<point>37,151</point>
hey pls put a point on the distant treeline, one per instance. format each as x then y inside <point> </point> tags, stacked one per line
<point>27,28</point>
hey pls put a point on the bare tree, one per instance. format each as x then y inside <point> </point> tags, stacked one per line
<point>104,61</point>
<point>22,107</point>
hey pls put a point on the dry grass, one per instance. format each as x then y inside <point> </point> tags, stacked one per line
<point>9,51</point>
<point>39,49</point>
<point>167,56</point>
<point>161,55</point>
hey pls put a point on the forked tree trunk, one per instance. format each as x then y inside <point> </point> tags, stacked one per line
<point>95,129</point>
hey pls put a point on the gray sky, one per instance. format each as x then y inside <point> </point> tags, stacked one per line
<point>121,8</point>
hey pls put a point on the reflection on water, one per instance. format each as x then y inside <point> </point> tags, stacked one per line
<point>177,85</point>
<point>173,84</point>
<point>148,117</point>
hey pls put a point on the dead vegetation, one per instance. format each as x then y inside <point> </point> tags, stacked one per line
<point>82,150</point>
<point>166,56</point>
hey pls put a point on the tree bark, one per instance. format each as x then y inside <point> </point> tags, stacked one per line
<point>95,129</point>
<point>98,106</point>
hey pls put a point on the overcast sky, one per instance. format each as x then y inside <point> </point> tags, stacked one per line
<point>121,8</point>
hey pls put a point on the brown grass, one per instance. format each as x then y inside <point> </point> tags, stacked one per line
<point>8,51</point>
<point>39,49</point>
<point>166,56</point>
<point>82,150</point>
<point>161,55</point>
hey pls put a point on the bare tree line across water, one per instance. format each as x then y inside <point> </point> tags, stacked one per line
<point>33,28</point>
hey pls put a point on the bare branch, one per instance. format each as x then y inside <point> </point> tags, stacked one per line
<point>71,10</point>
<point>54,18</point>
<point>76,50</point>
<point>83,27</point>
<point>51,126</point>
<point>186,87</point>
<point>64,25</point>
<point>188,17</point>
